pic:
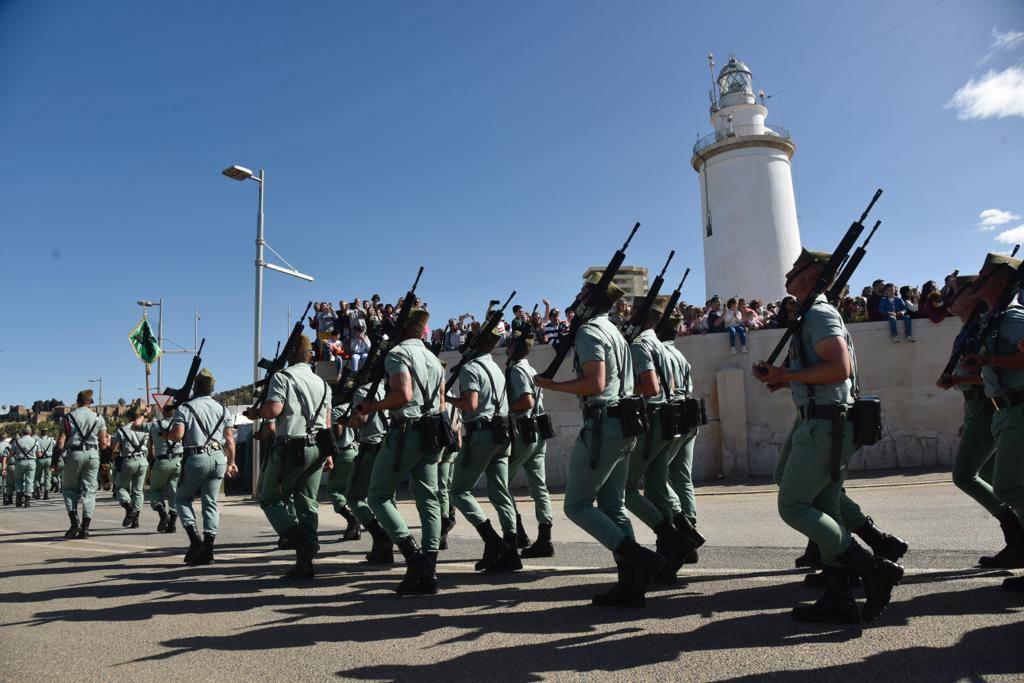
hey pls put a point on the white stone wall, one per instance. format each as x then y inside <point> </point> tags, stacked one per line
<point>920,422</point>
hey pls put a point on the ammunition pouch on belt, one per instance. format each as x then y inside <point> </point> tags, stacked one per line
<point>496,425</point>
<point>326,443</point>
<point>632,414</point>
<point>545,428</point>
<point>295,448</point>
<point>866,414</point>
<point>435,432</point>
<point>526,429</point>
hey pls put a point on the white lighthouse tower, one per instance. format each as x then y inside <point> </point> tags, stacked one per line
<point>748,210</point>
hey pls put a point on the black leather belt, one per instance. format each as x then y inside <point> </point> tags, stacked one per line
<point>1009,399</point>
<point>168,456</point>
<point>369,447</point>
<point>816,412</point>
<point>974,394</point>
<point>476,426</point>
<point>592,412</point>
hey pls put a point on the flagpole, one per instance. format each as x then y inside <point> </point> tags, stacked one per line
<point>147,384</point>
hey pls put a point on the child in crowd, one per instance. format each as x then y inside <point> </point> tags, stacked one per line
<point>732,319</point>
<point>360,345</point>
<point>894,308</point>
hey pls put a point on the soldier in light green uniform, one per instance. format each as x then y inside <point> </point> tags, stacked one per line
<point>25,450</point>
<point>206,432</point>
<point>1002,371</point>
<point>485,451</point>
<point>654,379</point>
<point>445,475</point>
<point>680,466</point>
<point>822,375</point>
<point>529,447</point>
<point>7,471</point>
<point>599,463</point>
<point>131,449</point>
<point>300,404</point>
<point>412,448</point>
<point>974,463</point>
<point>43,474</point>
<point>165,470</point>
<point>372,428</point>
<point>83,434</point>
<point>337,478</point>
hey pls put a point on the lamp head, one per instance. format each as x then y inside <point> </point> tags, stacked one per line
<point>237,172</point>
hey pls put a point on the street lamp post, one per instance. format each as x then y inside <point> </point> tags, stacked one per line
<point>240,173</point>
<point>145,303</point>
<point>100,380</point>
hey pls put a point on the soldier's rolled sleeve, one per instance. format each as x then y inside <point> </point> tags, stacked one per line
<point>180,418</point>
<point>278,389</point>
<point>590,346</point>
<point>394,364</point>
<point>822,324</point>
<point>643,361</point>
<point>518,384</point>
<point>470,378</point>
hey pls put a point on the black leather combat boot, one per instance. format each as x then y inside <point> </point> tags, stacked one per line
<point>383,550</point>
<point>161,512</point>
<point>73,531</point>
<point>879,575</point>
<point>494,547</point>
<point>1009,557</point>
<point>195,545</point>
<point>882,544</point>
<point>542,547</point>
<point>418,566</point>
<point>522,538</point>
<point>675,547</point>
<point>352,526</point>
<point>836,605</point>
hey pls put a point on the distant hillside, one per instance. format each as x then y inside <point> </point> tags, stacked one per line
<point>242,396</point>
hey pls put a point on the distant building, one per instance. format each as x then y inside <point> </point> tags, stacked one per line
<point>630,279</point>
<point>18,411</point>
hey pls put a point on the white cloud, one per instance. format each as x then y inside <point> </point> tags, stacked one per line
<point>993,218</point>
<point>1013,236</point>
<point>997,94</point>
<point>1002,41</point>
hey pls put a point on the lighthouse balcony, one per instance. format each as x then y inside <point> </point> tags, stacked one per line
<point>733,137</point>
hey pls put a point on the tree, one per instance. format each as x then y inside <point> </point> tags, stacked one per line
<point>122,402</point>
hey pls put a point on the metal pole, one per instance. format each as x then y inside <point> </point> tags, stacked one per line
<point>160,360</point>
<point>258,332</point>
<point>195,338</point>
<point>101,393</point>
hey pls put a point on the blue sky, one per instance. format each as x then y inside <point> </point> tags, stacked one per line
<point>499,145</point>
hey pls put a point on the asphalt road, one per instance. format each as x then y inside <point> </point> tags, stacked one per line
<point>121,606</point>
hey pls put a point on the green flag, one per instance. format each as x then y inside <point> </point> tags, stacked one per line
<point>144,342</point>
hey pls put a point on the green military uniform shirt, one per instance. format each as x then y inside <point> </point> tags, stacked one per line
<point>25,447</point>
<point>156,430</point>
<point>821,322</point>
<point>306,399</point>
<point>647,354</point>
<point>680,369</point>
<point>46,446</point>
<point>377,425</point>
<point>600,340</point>
<point>1011,331</point>
<point>204,420</point>
<point>84,427</point>
<point>521,382</point>
<point>131,442</point>
<point>348,435</point>
<point>483,376</point>
<point>413,358</point>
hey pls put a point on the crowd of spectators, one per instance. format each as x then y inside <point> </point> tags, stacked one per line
<point>344,332</point>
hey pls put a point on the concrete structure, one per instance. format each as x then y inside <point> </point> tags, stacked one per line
<point>748,210</point>
<point>630,279</point>
<point>749,424</point>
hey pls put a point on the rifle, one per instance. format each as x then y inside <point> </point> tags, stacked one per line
<point>585,307</point>
<point>373,370</point>
<point>469,350</point>
<point>824,279</point>
<point>673,301</point>
<point>849,266</point>
<point>636,322</point>
<point>262,388</point>
<point>508,356</point>
<point>974,340</point>
<point>185,392</point>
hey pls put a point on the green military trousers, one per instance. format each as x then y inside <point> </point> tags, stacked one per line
<point>288,492</point>
<point>43,473</point>
<point>600,481</point>
<point>481,456</point>
<point>974,463</point>
<point>9,477</point>
<point>530,457</point>
<point>648,468</point>
<point>680,478</point>
<point>445,475</point>
<point>358,485</point>
<point>201,475</point>
<point>81,472</point>
<point>337,481</point>
<point>808,499</point>
<point>163,482</point>
<point>131,479</point>
<point>399,457</point>
<point>25,475</point>
<point>1008,474</point>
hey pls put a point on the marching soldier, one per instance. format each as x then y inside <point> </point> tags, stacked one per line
<point>165,470</point>
<point>205,430</point>
<point>300,404</point>
<point>822,375</point>
<point>680,465</point>
<point>8,471</point>
<point>25,450</point>
<point>372,427</point>
<point>446,473</point>
<point>412,448</point>
<point>83,434</point>
<point>337,480</point>
<point>130,450</point>
<point>485,451</point>
<point>529,445</point>
<point>1002,371</point>
<point>654,379</point>
<point>599,462</point>
<point>43,474</point>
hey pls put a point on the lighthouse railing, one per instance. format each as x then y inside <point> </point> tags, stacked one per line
<point>752,130</point>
